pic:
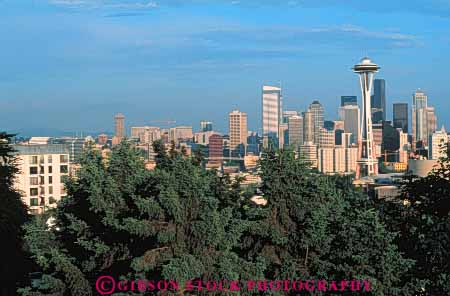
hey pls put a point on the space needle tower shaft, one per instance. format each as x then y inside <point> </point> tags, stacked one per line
<point>367,164</point>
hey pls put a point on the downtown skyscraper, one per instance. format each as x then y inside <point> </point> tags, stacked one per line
<point>119,125</point>
<point>350,115</point>
<point>349,100</point>
<point>238,133</point>
<point>295,131</point>
<point>400,116</point>
<point>423,120</point>
<point>378,101</point>
<point>318,118</point>
<point>272,114</point>
<point>308,126</point>
<point>119,128</point>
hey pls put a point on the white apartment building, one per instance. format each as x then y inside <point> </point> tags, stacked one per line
<point>41,172</point>
<point>202,138</point>
<point>337,160</point>
<point>308,151</point>
<point>438,141</point>
<point>146,134</point>
<point>181,133</point>
<point>327,138</point>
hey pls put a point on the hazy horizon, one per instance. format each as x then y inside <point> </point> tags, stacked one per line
<point>70,65</point>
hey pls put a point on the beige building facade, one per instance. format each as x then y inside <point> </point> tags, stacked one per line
<point>42,169</point>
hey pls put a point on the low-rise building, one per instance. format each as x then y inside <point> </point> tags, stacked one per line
<point>42,169</point>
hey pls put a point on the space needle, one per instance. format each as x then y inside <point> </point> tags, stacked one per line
<point>367,164</point>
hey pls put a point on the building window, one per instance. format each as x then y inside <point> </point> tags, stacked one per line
<point>51,200</point>
<point>34,181</point>
<point>50,180</point>
<point>50,169</point>
<point>33,170</point>
<point>63,158</point>
<point>33,159</point>
<point>34,202</point>
<point>41,170</point>
<point>49,159</point>
<point>50,189</point>
<point>41,159</point>
<point>63,169</point>
<point>33,191</point>
<point>63,191</point>
<point>42,180</point>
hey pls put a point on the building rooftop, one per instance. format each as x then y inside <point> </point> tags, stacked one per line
<point>41,149</point>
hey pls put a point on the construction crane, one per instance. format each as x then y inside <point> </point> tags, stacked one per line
<point>166,122</point>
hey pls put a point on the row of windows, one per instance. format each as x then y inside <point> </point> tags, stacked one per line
<point>40,180</point>
<point>63,158</point>
<point>35,191</point>
<point>63,169</point>
<point>34,201</point>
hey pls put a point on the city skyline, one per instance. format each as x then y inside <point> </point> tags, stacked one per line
<point>140,58</point>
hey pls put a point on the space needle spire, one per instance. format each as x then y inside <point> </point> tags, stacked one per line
<point>367,164</point>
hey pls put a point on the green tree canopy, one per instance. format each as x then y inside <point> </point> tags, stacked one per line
<point>120,220</point>
<point>421,216</point>
<point>13,214</point>
<point>320,227</point>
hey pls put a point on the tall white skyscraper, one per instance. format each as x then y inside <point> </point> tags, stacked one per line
<point>419,118</point>
<point>272,114</point>
<point>318,117</point>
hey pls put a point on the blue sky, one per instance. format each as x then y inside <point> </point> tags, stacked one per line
<point>71,64</point>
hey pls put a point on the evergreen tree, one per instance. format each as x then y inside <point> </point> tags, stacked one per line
<point>124,221</point>
<point>318,228</point>
<point>182,222</point>
<point>13,214</point>
<point>421,216</point>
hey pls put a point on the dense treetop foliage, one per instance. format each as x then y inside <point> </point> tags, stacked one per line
<point>422,218</point>
<point>182,222</point>
<point>13,214</point>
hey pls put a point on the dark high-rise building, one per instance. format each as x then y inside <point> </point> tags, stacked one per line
<point>328,125</point>
<point>391,140</point>
<point>349,100</point>
<point>338,136</point>
<point>253,143</point>
<point>400,119</point>
<point>206,126</point>
<point>378,101</point>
